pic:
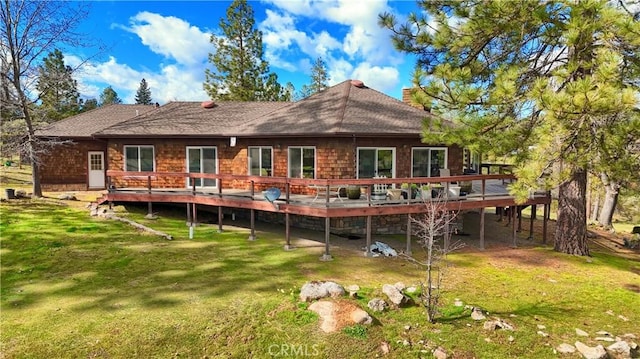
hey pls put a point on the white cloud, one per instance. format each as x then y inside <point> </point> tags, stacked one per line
<point>171,37</point>
<point>383,79</point>
<point>363,41</point>
<point>172,83</point>
<point>185,47</point>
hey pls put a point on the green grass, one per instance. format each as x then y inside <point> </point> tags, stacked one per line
<point>75,286</point>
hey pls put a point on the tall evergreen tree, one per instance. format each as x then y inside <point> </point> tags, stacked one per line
<point>109,96</point>
<point>143,95</point>
<point>549,81</point>
<point>58,90</point>
<point>319,79</point>
<point>88,104</point>
<point>240,73</point>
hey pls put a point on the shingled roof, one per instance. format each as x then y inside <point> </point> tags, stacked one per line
<point>84,125</point>
<point>348,108</point>
<point>192,119</point>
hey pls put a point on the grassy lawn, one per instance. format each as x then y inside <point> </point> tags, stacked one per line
<point>75,286</point>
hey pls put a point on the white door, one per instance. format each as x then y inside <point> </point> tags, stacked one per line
<point>96,169</point>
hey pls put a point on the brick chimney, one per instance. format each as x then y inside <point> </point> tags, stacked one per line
<point>406,98</point>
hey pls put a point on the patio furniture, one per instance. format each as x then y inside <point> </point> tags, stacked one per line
<point>321,191</point>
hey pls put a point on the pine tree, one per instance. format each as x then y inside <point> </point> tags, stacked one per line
<point>143,95</point>
<point>58,90</point>
<point>240,73</point>
<point>547,81</point>
<point>109,96</point>
<point>319,79</point>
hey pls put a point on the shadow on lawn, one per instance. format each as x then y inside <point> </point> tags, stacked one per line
<point>54,254</point>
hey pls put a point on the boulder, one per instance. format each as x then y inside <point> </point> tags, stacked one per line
<point>360,316</point>
<point>581,333</point>
<point>315,290</point>
<point>325,311</point>
<point>588,352</point>
<point>395,296</point>
<point>476,314</point>
<point>565,348</point>
<point>619,350</point>
<point>377,304</point>
<point>439,353</point>
<point>353,290</point>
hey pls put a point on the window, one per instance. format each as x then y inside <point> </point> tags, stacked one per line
<point>138,158</point>
<point>302,162</point>
<point>427,162</point>
<point>202,160</point>
<point>376,162</point>
<point>260,163</point>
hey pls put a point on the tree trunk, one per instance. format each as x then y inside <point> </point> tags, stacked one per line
<point>571,226</point>
<point>595,206</point>
<point>612,188</point>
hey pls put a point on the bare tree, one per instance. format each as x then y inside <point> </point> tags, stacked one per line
<point>29,30</point>
<point>433,228</point>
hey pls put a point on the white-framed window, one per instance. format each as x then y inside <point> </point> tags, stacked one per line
<point>202,159</point>
<point>302,162</point>
<point>376,162</point>
<point>260,161</point>
<point>427,161</point>
<point>139,158</point>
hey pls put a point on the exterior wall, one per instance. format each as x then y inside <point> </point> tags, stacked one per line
<point>341,226</point>
<point>65,168</point>
<point>335,157</point>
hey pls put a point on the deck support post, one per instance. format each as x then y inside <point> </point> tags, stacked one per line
<point>326,256</point>
<point>408,251</point>
<point>482,228</point>
<point>512,217</point>
<point>149,204</point>
<point>545,218</point>
<point>252,218</point>
<point>189,220</point>
<point>220,219</point>
<point>533,216</point>
<point>287,232</point>
<point>367,251</point>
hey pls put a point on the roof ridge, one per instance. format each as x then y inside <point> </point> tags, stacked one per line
<point>343,108</point>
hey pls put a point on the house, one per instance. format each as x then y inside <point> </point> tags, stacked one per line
<point>188,152</point>
<point>79,163</point>
<point>346,131</point>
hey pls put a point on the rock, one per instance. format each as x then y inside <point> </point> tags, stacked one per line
<point>400,286</point>
<point>411,289</point>
<point>353,290</point>
<point>360,316</point>
<point>581,333</point>
<point>407,327</point>
<point>540,326</point>
<point>315,290</point>
<point>543,334</point>
<point>395,296</point>
<point>67,197</point>
<point>325,310</point>
<point>605,339</point>
<point>458,303</point>
<point>603,333</point>
<point>623,318</point>
<point>385,348</point>
<point>511,338</point>
<point>629,336</point>
<point>476,314</point>
<point>588,352</point>
<point>619,350</point>
<point>565,348</point>
<point>497,324</point>
<point>406,343</point>
<point>377,304</point>
<point>439,353</point>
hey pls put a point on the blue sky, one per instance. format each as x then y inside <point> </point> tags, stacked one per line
<point>167,43</point>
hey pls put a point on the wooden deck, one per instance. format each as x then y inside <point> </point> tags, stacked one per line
<point>487,191</point>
